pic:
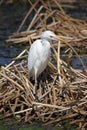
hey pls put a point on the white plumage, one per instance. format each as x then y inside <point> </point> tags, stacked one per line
<point>39,54</point>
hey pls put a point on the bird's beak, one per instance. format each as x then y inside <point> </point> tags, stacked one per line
<point>59,38</point>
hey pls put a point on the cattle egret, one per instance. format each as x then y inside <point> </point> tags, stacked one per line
<point>39,54</point>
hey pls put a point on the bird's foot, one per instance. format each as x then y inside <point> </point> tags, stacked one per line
<point>35,94</point>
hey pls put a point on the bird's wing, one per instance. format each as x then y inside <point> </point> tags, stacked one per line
<point>33,54</point>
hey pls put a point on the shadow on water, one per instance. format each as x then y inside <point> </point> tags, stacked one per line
<point>11,16</point>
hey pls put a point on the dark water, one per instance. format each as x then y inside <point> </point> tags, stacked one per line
<point>80,10</point>
<point>11,16</point>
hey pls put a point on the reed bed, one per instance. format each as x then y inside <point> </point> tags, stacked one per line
<point>62,90</point>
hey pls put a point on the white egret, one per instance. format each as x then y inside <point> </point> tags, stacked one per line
<point>39,54</point>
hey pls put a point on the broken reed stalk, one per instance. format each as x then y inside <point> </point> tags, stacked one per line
<point>59,63</point>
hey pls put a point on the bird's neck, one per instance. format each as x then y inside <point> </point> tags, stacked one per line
<point>45,40</point>
<point>45,43</point>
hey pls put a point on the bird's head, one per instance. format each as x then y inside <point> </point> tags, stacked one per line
<point>48,35</point>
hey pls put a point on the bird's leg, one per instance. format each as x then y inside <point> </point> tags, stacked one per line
<point>35,86</point>
<point>35,89</point>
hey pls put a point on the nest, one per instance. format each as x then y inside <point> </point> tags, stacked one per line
<point>62,90</point>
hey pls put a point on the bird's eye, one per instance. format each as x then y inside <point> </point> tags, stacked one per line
<point>51,36</point>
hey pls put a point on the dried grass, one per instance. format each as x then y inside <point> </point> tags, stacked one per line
<point>62,91</point>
